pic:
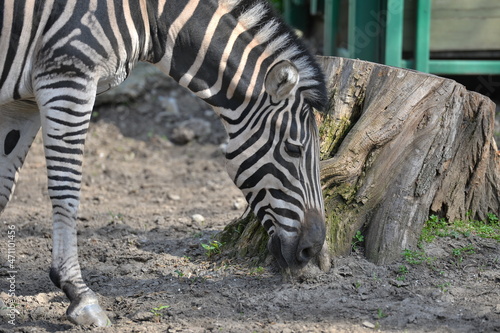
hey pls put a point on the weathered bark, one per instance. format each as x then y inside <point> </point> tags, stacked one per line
<point>396,146</point>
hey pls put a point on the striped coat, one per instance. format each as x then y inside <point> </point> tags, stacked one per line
<point>55,56</point>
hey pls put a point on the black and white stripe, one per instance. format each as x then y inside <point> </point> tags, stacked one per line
<point>55,56</point>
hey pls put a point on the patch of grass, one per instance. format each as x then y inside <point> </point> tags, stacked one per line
<point>434,227</point>
<point>439,227</point>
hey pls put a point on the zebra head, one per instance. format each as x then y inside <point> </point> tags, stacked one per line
<point>273,157</point>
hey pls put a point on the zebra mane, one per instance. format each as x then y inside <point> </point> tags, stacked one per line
<point>268,28</point>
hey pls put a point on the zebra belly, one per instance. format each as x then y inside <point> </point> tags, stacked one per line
<point>112,80</point>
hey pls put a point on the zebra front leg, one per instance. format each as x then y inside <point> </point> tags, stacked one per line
<point>65,120</point>
<point>19,124</point>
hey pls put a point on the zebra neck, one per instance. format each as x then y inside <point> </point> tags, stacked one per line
<point>214,49</point>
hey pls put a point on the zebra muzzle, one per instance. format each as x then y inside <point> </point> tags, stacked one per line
<point>297,250</point>
<point>312,237</point>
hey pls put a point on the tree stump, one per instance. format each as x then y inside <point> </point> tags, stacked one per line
<point>396,146</point>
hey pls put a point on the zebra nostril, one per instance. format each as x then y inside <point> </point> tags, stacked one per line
<point>312,237</point>
<point>306,254</point>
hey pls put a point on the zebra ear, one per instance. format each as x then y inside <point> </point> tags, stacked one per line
<point>281,79</point>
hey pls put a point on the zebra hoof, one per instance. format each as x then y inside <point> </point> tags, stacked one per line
<point>88,315</point>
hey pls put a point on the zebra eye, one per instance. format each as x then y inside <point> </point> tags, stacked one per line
<point>293,150</point>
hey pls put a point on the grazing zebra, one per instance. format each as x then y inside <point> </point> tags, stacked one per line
<point>55,56</point>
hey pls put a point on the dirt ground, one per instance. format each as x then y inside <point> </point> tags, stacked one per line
<point>148,204</point>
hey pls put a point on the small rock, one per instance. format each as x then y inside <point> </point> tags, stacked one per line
<point>182,135</point>
<point>238,204</point>
<point>496,309</point>
<point>398,283</point>
<point>143,109</point>
<point>159,118</point>
<point>42,298</point>
<point>446,297</point>
<point>198,218</point>
<point>142,316</point>
<point>40,312</point>
<point>160,220</point>
<point>434,250</point>
<point>199,126</point>
<point>169,104</point>
<point>127,269</point>
<point>368,324</point>
<point>412,318</point>
<point>344,271</point>
<point>174,197</point>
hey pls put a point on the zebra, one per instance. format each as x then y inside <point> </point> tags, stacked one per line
<point>237,55</point>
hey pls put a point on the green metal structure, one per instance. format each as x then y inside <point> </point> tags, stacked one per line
<point>375,33</point>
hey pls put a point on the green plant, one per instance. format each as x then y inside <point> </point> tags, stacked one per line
<point>461,252</point>
<point>402,271</point>
<point>214,247</point>
<point>357,240</point>
<point>493,219</point>
<point>257,271</point>
<point>469,249</point>
<point>381,314</point>
<point>433,227</point>
<point>157,311</point>
<point>444,286</point>
<point>179,273</point>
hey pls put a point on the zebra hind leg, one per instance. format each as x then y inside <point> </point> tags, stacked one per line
<point>19,124</point>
